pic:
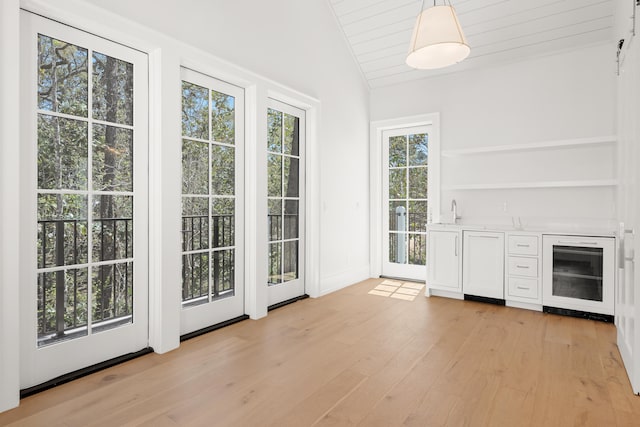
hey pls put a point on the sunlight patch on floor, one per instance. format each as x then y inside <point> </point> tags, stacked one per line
<point>397,289</point>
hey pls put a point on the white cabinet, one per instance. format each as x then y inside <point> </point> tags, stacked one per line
<point>483,264</point>
<point>444,256</point>
<point>523,269</point>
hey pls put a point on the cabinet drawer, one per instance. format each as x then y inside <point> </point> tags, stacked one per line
<point>523,245</point>
<point>523,287</point>
<point>520,266</point>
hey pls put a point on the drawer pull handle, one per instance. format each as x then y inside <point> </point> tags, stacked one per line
<point>523,288</point>
<point>521,266</point>
<point>520,245</point>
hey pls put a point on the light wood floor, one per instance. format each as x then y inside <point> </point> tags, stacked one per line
<point>351,358</point>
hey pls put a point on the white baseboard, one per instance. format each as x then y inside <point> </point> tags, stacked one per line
<point>335,282</point>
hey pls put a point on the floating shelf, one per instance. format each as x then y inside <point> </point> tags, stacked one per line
<point>542,184</point>
<point>565,143</point>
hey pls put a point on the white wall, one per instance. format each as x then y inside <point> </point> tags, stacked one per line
<point>564,96</point>
<point>298,44</point>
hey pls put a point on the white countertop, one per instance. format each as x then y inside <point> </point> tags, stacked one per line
<point>536,230</point>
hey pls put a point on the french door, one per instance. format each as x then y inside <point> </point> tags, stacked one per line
<point>405,204</point>
<point>212,208</point>
<point>285,191</point>
<point>84,283</point>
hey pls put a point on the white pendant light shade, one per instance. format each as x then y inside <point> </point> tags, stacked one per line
<point>437,39</point>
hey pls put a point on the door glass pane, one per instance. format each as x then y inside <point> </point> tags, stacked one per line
<point>291,219</point>
<point>223,117</point>
<point>398,183</point>
<point>195,223</point>
<point>195,111</point>
<point>290,264</point>
<point>275,219</point>
<point>577,272</point>
<point>208,171</point>
<point>398,248</point>
<point>62,153</point>
<point>112,158</point>
<point>62,77</point>
<point>72,218</point>
<point>397,151</point>
<point>407,198</point>
<point>291,177</point>
<point>418,183</point>
<point>291,135</point>
<point>283,185</point>
<point>195,167</point>
<point>274,169</point>
<point>112,89</point>
<point>275,263</point>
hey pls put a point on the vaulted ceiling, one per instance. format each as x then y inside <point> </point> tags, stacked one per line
<point>378,32</point>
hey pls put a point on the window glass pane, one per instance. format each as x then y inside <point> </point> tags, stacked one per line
<point>418,150</point>
<point>112,227</point>
<point>398,248</point>
<point>195,278</point>
<point>195,223</point>
<point>398,183</point>
<point>275,219</point>
<point>195,111</point>
<point>112,89</point>
<point>112,288</point>
<point>223,215</point>
<point>291,135</point>
<point>223,170</point>
<point>62,153</point>
<point>290,219</point>
<point>73,284</point>
<point>418,183</point>
<point>291,177</point>
<point>195,167</point>
<point>398,216</point>
<point>112,158</point>
<point>274,131</point>
<point>222,117</point>
<point>275,266</point>
<point>62,230</point>
<point>290,261</point>
<point>223,266</point>
<point>274,170</point>
<point>62,77</point>
<point>417,216</point>
<point>397,151</point>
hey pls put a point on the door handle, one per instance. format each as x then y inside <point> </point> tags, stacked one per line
<point>455,249</point>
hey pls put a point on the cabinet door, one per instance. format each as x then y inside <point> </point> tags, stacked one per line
<point>443,263</point>
<point>483,264</point>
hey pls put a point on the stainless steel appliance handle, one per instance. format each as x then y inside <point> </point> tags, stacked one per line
<point>564,242</point>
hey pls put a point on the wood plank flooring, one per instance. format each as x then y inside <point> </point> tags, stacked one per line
<point>354,359</point>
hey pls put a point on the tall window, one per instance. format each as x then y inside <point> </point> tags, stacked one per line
<point>85,198</point>
<point>208,194</point>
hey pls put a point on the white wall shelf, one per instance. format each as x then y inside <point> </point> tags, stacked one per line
<point>540,184</point>
<point>564,143</point>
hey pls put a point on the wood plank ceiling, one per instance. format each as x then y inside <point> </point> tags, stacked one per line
<point>378,32</point>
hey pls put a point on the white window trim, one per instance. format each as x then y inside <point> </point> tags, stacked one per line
<point>375,177</point>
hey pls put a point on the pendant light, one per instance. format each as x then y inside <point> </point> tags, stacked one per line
<point>437,39</point>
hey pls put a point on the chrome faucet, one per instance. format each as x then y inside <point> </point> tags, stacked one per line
<point>454,209</point>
